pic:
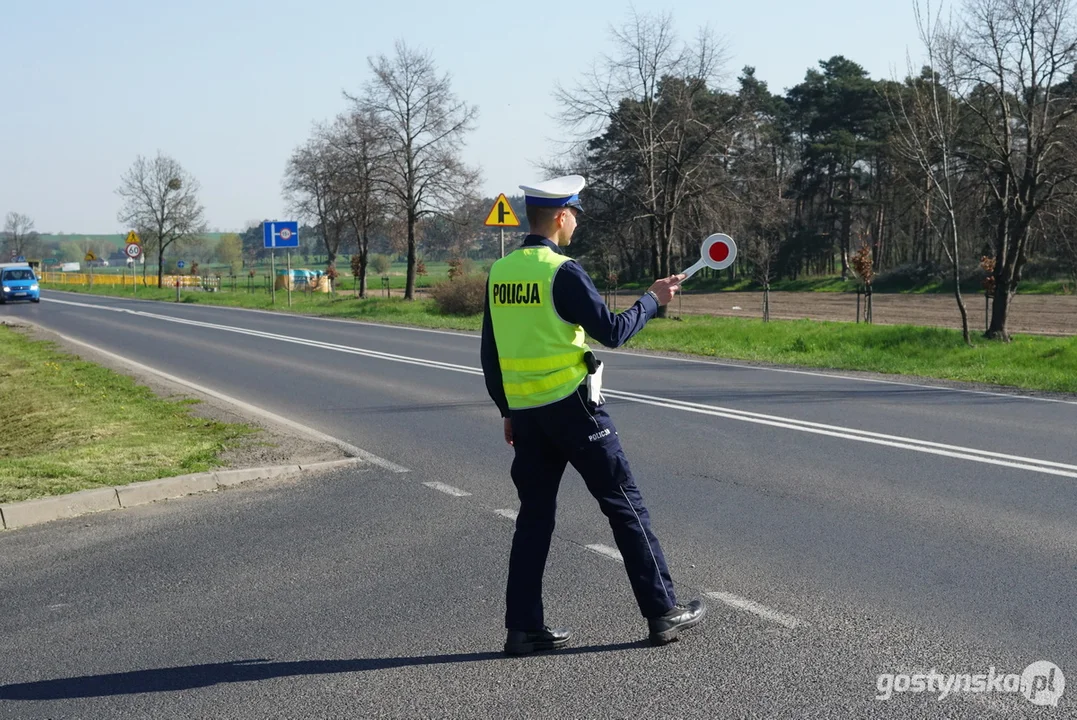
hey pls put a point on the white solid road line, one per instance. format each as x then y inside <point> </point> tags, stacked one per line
<point>275,313</point>
<point>758,609</point>
<point>247,408</point>
<point>447,489</point>
<point>896,441</point>
<point>837,376</point>
<point>630,353</point>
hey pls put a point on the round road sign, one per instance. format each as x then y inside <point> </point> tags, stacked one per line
<point>133,250</point>
<point>180,264</point>
<point>285,234</point>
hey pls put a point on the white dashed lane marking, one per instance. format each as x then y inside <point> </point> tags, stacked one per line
<point>734,601</point>
<point>606,550</point>
<point>758,609</point>
<point>447,489</point>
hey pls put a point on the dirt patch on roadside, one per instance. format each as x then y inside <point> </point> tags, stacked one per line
<point>270,445</point>
<point>1040,314</point>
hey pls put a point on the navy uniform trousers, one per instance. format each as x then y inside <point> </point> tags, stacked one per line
<point>546,439</point>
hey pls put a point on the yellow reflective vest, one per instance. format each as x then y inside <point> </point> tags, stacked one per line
<point>541,355</point>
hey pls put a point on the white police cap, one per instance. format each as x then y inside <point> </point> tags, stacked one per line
<point>559,192</point>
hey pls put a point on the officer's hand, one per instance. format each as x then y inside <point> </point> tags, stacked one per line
<point>508,431</point>
<point>666,288</point>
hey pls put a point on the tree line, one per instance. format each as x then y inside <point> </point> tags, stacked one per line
<point>971,159</point>
<point>967,162</point>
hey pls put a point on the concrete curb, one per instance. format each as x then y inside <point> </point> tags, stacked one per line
<point>42,510</point>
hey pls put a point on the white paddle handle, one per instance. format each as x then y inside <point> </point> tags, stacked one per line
<point>694,269</point>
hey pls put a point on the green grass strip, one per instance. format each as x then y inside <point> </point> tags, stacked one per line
<point>1029,362</point>
<point>71,425</point>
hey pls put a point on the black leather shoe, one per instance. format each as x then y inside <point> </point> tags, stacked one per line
<point>522,642</point>
<point>667,628</point>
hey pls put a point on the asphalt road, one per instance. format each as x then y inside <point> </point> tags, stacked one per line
<point>842,528</point>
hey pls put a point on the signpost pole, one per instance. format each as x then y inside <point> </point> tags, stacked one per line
<point>502,242</point>
<point>288,233</point>
<point>133,251</point>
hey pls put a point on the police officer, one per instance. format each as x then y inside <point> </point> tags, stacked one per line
<point>546,383</point>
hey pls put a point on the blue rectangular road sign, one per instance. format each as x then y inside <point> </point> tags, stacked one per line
<point>280,234</point>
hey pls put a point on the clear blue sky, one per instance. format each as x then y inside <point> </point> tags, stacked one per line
<point>230,87</point>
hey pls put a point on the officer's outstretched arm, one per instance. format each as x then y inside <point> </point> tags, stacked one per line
<point>578,301</point>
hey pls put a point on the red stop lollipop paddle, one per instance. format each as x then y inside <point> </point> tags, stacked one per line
<point>719,252</point>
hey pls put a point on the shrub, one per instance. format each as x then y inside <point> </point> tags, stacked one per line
<point>988,265</point>
<point>463,296</point>
<point>863,265</point>
<point>380,263</point>
<point>331,275</point>
<point>455,268</point>
<point>459,267</point>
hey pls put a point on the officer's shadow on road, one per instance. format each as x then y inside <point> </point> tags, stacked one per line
<point>188,677</point>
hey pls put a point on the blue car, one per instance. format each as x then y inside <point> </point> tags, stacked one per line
<point>18,282</point>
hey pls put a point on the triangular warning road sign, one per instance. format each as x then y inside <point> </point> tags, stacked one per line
<point>501,214</point>
<point>133,239</point>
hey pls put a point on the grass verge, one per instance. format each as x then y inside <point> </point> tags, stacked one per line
<point>71,425</point>
<point>1029,362</point>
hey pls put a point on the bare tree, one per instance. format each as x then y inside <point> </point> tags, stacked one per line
<point>1011,57</point>
<point>654,102</point>
<point>460,233</point>
<point>314,187</point>
<point>1064,224</point>
<point>759,212</point>
<point>424,127</point>
<point>759,216</point>
<point>160,199</point>
<point>363,153</point>
<point>928,127</point>
<point>148,236</point>
<point>19,232</point>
